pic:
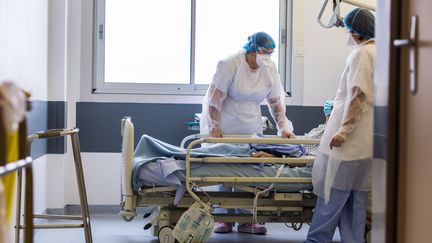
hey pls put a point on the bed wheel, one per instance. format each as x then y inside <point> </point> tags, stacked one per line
<point>165,235</point>
<point>297,226</point>
<point>368,237</point>
<point>368,233</point>
<point>128,218</point>
<point>147,226</point>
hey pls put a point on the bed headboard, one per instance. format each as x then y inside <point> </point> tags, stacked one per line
<point>127,132</point>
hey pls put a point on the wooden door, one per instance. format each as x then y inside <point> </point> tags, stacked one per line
<point>414,201</point>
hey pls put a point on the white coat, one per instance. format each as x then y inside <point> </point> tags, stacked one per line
<point>348,167</point>
<point>244,90</point>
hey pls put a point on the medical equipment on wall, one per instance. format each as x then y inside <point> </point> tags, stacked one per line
<point>195,125</point>
<point>336,19</point>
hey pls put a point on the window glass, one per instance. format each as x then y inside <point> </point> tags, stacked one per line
<point>222,28</point>
<point>147,41</point>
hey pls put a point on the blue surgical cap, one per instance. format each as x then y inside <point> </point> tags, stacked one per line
<point>328,107</point>
<point>361,22</point>
<point>259,40</point>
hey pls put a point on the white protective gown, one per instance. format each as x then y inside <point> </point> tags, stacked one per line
<point>242,90</point>
<point>348,167</point>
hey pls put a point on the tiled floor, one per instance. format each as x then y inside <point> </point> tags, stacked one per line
<point>112,229</point>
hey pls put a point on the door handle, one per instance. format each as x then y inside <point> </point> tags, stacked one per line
<point>401,42</point>
<point>411,43</point>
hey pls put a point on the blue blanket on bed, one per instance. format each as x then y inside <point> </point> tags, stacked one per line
<point>170,158</point>
<point>166,159</point>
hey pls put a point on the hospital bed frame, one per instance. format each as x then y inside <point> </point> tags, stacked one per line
<point>285,207</point>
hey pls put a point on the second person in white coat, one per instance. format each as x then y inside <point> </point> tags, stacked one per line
<point>232,103</point>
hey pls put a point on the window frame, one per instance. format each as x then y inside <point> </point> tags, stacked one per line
<point>99,86</point>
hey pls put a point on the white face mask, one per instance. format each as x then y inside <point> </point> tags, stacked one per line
<point>351,41</point>
<point>263,60</point>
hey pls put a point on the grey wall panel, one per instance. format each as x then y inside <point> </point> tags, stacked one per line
<point>56,119</point>
<point>99,123</point>
<point>37,120</point>
<point>46,115</point>
<point>380,120</point>
<point>304,118</point>
<point>380,132</point>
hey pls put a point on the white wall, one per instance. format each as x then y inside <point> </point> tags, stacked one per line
<point>102,178</point>
<point>23,44</point>
<point>57,52</point>
<point>33,54</point>
<point>49,182</point>
<point>23,59</point>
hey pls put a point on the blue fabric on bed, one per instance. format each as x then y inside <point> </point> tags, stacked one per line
<point>162,164</point>
<point>151,149</point>
<point>280,150</point>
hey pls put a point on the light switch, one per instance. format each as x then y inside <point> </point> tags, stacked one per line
<point>299,52</point>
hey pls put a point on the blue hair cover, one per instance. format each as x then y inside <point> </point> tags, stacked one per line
<point>259,40</point>
<point>361,22</point>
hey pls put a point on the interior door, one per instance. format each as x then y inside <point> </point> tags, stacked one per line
<point>414,205</point>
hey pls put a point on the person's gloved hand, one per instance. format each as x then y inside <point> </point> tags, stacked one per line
<point>216,132</point>
<point>287,134</point>
<point>350,119</point>
<point>337,140</point>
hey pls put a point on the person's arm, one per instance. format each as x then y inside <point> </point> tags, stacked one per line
<point>277,111</point>
<point>360,81</point>
<point>216,95</point>
<point>351,118</point>
<point>216,98</point>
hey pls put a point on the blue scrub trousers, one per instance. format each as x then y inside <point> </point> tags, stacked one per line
<point>223,188</point>
<point>346,209</point>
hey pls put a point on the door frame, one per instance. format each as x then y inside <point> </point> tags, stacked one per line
<point>388,26</point>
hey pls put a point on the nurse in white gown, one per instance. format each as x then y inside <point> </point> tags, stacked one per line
<point>342,169</point>
<point>232,103</point>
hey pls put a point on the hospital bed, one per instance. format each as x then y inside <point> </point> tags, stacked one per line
<point>290,201</point>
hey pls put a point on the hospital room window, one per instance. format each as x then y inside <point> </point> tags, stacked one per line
<point>173,46</point>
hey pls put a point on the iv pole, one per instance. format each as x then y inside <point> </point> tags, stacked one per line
<point>359,4</point>
<point>336,19</point>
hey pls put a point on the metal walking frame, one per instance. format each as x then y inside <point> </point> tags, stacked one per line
<point>85,217</point>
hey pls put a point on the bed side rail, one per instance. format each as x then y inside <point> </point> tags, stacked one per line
<point>128,199</point>
<point>206,136</point>
<point>243,139</point>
